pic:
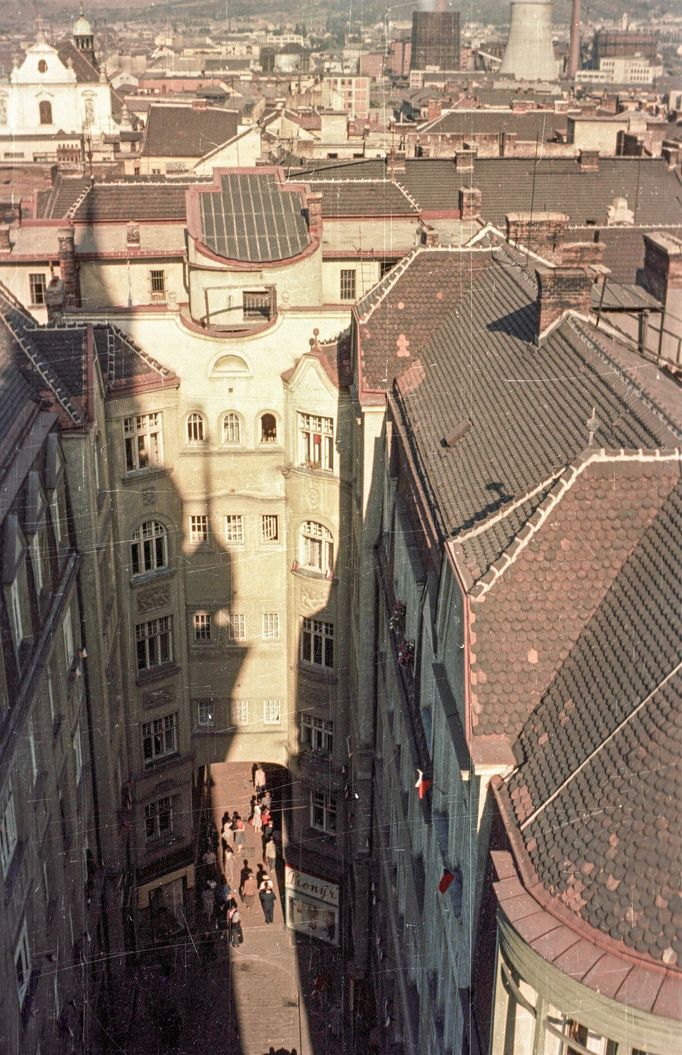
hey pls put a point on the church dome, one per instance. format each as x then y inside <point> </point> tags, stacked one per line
<point>81,27</point>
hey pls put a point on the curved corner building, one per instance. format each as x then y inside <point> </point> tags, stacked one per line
<point>529,54</point>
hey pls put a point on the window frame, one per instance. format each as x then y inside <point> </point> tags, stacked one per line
<point>233,420</point>
<point>195,422</point>
<point>256,304</point>
<point>208,721</point>
<point>159,739</point>
<point>199,529</point>
<point>241,713</point>
<point>317,643</point>
<point>272,711</point>
<point>153,812</point>
<point>266,521</point>
<point>45,115</point>
<point>348,283</point>
<point>268,440</point>
<point>311,426</point>
<point>240,619</point>
<point>147,452</point>
<point>157,284</point>
<point>319,800</point>
<point>315,536</point>
<point>317,734</point>
<point>149,539</point>
<point>236,521</point>
<point>9,833</point>
<point>22,952</point>
<point>37,284</point>
<point>159,630</point>
<point>202,627</point>
<point>271,626</point>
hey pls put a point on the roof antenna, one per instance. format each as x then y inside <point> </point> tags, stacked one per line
<point>593,424</point>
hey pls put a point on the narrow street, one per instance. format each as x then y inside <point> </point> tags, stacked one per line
<point>245,1000</point>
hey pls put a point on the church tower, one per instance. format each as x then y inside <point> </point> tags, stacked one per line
<point>84,38</point>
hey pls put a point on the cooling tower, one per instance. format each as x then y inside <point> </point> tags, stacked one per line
<point>529,54</point>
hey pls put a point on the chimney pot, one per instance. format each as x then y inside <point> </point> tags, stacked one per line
<point>469,203</point>
<point>314,204</point>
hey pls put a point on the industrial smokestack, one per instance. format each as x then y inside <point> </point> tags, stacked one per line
<point>574,46</point>
<point>529,54</point>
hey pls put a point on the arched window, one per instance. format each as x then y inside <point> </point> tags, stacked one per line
<point>195,429</point>
<point>317,547</point>
<point>268,428</point>
<point>232,428</point>
<point>149,550</point>
<point>45,110</point>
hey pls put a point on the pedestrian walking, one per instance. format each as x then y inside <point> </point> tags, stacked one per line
<point>229,864</point>
<point>257,821</point>
<point>239,833</point>
<point>267,900</point>
<point>209,862</point>
<point>208,899</point>
<point>235,933</point>
<point>259,779</point>
<point>270,855</point>
<point>249,890</point>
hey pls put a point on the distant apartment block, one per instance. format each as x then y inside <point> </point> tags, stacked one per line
<point>435,40</point>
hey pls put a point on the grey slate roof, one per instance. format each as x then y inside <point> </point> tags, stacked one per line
<point>182,131</point>
<point>252,218</point>
<point>64,193</point>
<point>623,246</point>
<point>609,844</point>
<point>325,168</point>
<point>15,390</point>
<point>653,191</point>
<point>363,198</point>
<point>132,201</point>
<point>529,125</point>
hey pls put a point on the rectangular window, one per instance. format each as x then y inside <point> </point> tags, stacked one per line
<point>202,626</point>
<point>78,753</point>
<point>240,712</point>
<point>22,963</point>
<point>37,561</point>
<point>154,643</point>
<point>271,626</point>
<point>159,739</point>
<point>198,529</point>
<point>142,436</point>
<point>272,712</point>
<point>269,528</point>
<point>15,614</point>
<point>234,528</point>
<point>205,714</point>
<point>32,749</point>
<point>67,635</point>
<point>158,820</point>
<point>256,304</point>
<point>317,643</point>
<point>322,812</point>
<point>317,734</point>
<point>236,627</point>
<point>8,830</point>
<point>316,441</point>
<point>347,283</point>
<point>38,287</point>
<point>157,283</point>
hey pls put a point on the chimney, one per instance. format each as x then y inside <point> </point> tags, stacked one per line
<point>507,142</point>
<point>541,232</point>
<point>314,202</point>
<point>465,158</point>
<point>67,264</point>
<point>581,254</point>
<point>561,289</point>
<point>671,152</point>
<point>5,244</point>
<point>429,236</point>
<point>662,272</point>
<point>55,299</point>
<point>588,160</point>
<point>469,203</point>
<point>574,45</point>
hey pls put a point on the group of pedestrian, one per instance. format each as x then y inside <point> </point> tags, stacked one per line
<point>251,884</point>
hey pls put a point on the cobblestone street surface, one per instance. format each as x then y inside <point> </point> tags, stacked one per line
<point>244,1001</point>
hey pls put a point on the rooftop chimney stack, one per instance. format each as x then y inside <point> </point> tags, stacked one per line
<point>561,289</point>
<point>574,46</point>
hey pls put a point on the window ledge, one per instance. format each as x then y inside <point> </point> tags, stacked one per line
<point>166,670</point>
<point>317,673</point>
<point>311,573</point>
<point>146,577</point>
<point>146,474</point>
<point>154,845</point>
<point>157,764</point>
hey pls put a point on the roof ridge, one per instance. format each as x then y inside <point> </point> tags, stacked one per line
<point>563,484</point>
<point>73,209</point>
<point>139,351</point>
<point>385,284</point>
<point>22,336</point>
